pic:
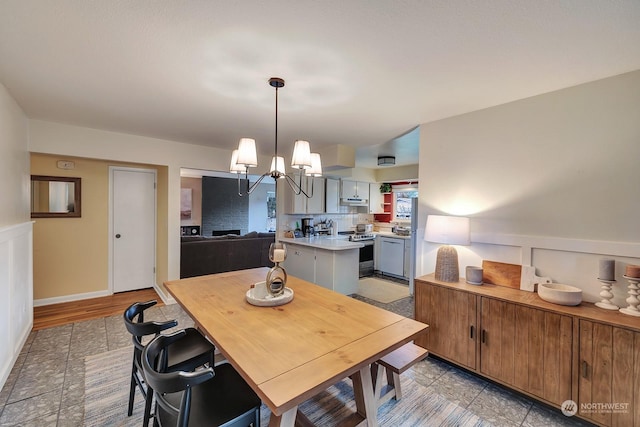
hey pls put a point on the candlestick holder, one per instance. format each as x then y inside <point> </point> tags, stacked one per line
<point>606,295</point>
<point>632,300</point>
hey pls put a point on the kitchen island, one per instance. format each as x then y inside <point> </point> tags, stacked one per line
<point>331,262</point>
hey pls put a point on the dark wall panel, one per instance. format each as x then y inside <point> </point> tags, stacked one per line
<point>222,208</point>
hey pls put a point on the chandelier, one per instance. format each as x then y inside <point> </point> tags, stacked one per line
<point>303,159</point>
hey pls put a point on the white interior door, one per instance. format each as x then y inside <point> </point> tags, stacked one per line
<point>133,228</point>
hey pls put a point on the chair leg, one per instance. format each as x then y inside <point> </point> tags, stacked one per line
<point>132,389</point>
<point>147,407</point>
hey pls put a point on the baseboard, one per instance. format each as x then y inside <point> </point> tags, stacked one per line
<point>8,367</point>
<point>167,299</point>
<point>69,298</point>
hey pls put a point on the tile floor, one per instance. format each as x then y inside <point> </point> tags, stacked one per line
<point>46,386</point>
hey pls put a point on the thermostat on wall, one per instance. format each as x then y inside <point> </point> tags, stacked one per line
<point>66,164</point>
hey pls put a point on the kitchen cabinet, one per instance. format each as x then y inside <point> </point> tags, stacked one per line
<point>609,374</point>
<point>332,196</point>
<point>301,262</point>
<point>335,270</point>
<point>354,189</point>
<point>299,203</point>
<point>391,258</point>
<point>376,199</point>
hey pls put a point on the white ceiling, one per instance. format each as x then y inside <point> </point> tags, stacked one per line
<point>357,72</point>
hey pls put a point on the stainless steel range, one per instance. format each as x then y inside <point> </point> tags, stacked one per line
<point>365,266</point>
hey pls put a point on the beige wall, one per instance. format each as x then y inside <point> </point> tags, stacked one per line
<point>549,181</point>
<point>71,254</point>
<point>14,162</point>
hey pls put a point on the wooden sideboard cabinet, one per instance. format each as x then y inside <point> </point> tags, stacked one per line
<point>550,352</point>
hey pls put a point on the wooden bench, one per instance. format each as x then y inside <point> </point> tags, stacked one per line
<point>394,364</point>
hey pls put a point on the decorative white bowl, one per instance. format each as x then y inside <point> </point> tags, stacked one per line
<point>259,296</point>
<point>560,294</point>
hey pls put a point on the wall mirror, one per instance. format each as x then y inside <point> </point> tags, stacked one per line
<point>55,197</point>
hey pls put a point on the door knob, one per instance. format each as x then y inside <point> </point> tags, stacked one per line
<point>118,236</point>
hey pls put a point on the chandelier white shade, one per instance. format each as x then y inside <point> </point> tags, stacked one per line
<point>235,167</point>
<point>301,158</point>
<point>246,157</point>
<point>277,166</point>
<point>316,166</point>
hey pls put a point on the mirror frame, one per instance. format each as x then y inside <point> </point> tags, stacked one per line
<point>77,196</point>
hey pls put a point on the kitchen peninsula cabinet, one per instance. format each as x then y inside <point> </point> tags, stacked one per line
<point>327,262</point>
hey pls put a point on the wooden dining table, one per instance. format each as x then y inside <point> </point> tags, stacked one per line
<point>292,352</point>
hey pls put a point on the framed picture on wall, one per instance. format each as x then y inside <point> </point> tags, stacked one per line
<point>185,203</point>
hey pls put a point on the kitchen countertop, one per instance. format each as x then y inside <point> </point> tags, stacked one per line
<point>394,235</point>
<point>333,243</point>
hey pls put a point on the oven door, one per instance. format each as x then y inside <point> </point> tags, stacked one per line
<point>366,259</point>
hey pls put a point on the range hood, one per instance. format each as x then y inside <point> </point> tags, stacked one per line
<point>354,201</point>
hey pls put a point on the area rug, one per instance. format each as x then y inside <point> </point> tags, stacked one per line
<point>106,391</point>
<point>380,290</point>
<point>107,387</point>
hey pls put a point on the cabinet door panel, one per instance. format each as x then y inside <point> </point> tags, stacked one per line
<point>527,348</point>
<point>623,371</point>
<point>556,366</point>
<point>450,315</point>
<point>609,374</point>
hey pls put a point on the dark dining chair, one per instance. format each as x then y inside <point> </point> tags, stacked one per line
<point>193,351</point>
<point>215,396</point>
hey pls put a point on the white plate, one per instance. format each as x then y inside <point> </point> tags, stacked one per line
<point>258,296</point>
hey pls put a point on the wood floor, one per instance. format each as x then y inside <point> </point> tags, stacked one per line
<point>77,311</point>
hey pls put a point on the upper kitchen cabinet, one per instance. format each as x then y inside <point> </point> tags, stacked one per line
<point>354,193</point>
<point>376,199</point>
<point>299,203</point>
<point>332,196</point>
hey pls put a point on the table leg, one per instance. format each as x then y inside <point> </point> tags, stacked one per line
<point>288,419</point>
<point>366,403</point>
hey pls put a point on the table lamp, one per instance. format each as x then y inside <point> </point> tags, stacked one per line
<point>450,230</point>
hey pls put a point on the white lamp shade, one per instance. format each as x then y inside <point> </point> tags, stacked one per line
<point>301,158</point>
<point>235,167</point>
<point>450,230</point>
<point>316,166</point>
<point>247,155</point>
<point>277,165</point>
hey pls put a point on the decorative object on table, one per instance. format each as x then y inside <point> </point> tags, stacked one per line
<point>607,275</point>
<point>560,294</point>
<point>473,275</point>
<point>303,159</point>
<point>273,291</point>
<point>385,187</point>
<point>450,230</point>
<point>633,276</point>
<point>514,276</point>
